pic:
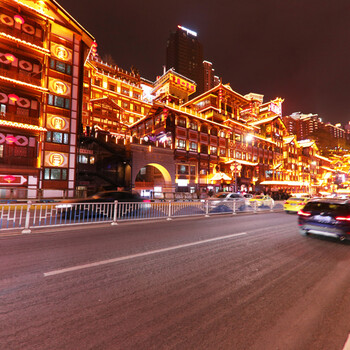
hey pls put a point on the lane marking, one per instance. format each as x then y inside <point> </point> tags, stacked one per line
<point>133,256</point>
<point>347,344</point>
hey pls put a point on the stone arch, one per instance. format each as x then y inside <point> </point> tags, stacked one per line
<point>160,158</point>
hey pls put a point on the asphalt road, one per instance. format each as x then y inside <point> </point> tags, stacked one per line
<point>233,282</point>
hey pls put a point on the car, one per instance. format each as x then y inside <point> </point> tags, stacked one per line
<point>223,201</point>
<point>262,200</point>
<point>327,217</point>
<point>100,204</point>
<point>294,204</point>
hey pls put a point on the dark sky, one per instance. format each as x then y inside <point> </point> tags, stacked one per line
<point>295,49</point>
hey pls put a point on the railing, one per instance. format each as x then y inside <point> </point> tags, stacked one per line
<point>26,216</point>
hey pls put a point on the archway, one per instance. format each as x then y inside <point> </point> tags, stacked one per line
<point>153,180</point>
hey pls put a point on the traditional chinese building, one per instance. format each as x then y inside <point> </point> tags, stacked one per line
<point>42,53</point>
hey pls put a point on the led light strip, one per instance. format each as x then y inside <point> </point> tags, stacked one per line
<point>24,84</point>
<point>22,125</point>
<point>10,37</point>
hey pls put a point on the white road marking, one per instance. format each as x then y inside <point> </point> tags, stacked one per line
<point>347,344</point>
<point>128,257</point>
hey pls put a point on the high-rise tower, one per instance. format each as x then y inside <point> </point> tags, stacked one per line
<point>185,54</point>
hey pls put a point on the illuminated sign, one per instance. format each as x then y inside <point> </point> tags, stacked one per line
<point>59,87</point>
<point>57,122</point>
<point>56,159</point>
<point>12,180</point>
<point>61,52</point>
<point>188,31</point>
<point>277,109</point>
<point>183,83</point>
<point>18,140</point>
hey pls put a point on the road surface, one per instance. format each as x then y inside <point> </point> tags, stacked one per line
<point>231,282</point>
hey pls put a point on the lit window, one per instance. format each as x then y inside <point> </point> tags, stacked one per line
<point>181,144</point>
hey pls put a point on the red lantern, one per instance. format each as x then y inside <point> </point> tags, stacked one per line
<point>19,19</point>
<point>10,139</point>
<point>14,98</point>
<point>10,57</point>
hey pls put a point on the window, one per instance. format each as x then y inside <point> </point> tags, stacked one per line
<point>192,170</point>
<point>204,128</point>
<point>193,126</point>
<point>83,158</point>
<point>213,150</point>
<point>181,144</point>
<point>125,91</point>
<point>193,146</point>
<point>2,109</point>
<point>111,87</point>
<point>55,174</point>
<point>97,82</point>
<point>222,152</point>
<point>60,66</point>
<point>181,122</point>
<point>136,95</point>
<point>214,132</point>
<point>238,137</point>
<point>57,137</point>
<point>222,134</point>
<point>182,169</point>
<point>204,149</point>
<point>1,151</point>
<point>58,101</point>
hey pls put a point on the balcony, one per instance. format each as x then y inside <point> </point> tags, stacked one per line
<point>22,76</point>
<point>12,117</point>
<point>22,36</point>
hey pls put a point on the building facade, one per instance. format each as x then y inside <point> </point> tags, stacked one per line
<point>42,52</point>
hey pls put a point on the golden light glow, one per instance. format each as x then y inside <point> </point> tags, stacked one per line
<point>22,125</point>
<point>56,159</point>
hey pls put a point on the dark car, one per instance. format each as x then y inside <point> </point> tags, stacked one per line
<point>327,217</point>
<point>100,204</point>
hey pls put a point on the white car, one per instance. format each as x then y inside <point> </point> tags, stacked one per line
<point>225,199</point>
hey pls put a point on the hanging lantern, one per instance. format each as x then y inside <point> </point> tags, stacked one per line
<point>10,57</point>
<point>10,139</point>
<point>18,19</point>
<point>13,98</point>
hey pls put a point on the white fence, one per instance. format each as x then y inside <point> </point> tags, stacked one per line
<point>29,215</point>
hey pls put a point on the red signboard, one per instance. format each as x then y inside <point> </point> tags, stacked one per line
<point>13,180</point>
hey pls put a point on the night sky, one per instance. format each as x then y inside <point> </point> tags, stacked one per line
<point>295,49</point>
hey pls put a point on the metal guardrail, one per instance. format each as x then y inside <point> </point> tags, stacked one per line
<point>27,216</point>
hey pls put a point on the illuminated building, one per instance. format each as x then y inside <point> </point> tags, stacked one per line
<point>42,52</point>
<point>208,135</point>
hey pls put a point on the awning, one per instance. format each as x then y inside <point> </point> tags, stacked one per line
<point>220,176</point>
<point>244,162</point>
<point>285,183</point>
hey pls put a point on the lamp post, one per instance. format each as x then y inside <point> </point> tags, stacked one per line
<point>235,168</point>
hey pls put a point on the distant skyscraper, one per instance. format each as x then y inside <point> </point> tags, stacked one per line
<point>185,54</point>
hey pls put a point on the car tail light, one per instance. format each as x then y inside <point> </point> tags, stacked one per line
<point>146,201</point>
<point>342,218</point>
<point>303,213</point>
